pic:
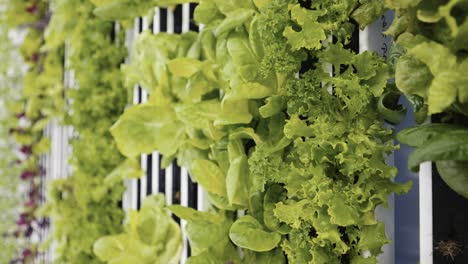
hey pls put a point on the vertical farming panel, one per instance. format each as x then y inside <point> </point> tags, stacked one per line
<point>173,181</point>
<point>176,183</point>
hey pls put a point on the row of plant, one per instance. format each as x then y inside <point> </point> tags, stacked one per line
<point>430,70</point>
<point>300,151</point>
<point>33,95</point>
<point>9,180</point>
<point>87,205</point>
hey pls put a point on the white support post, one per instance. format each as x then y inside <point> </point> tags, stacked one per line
<point>169,172</point>
<point>425,213</point>
<point>155,155</point>
<point>201,195</point>
<point>170,21</point>
<point>184,175</point>
<point>144,157</point>
<point>156,20</point>
<point>144,182</point>
<point>134,182</point>
<point>155,173</point>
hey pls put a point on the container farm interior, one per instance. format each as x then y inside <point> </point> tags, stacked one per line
<point>234,131</point>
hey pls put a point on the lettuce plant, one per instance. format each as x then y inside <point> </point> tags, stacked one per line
<point>302,155</point>
<point>85,206</point>
<point>430,70</point>
<point>151,236</point>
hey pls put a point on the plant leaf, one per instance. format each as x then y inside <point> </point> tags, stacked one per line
<point>246,232</point>
<point>447,146</point>
<point>455,175</point>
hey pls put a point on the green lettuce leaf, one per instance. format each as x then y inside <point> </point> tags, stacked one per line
<point>312,32</point>
<point>151,236</point>
<point>146,128</point>
<point>247,232</point>
<point>453,174</point>
<point>412,75</point>
<point>368,12</point>
<point>444,147</point>
<point>419,135</point>
<point>209,176</point>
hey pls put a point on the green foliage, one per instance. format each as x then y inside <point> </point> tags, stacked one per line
<point>128,9</point>
<point>144,128</point>
<point>24,12</point>
<point>446,145</point>
<point>431,71</point>
<point>32,94</point>
<point>85,206</point>
<point>434,38</point>
<point>151,236</point>
<point>312,32</point>
<point>10,198</point>
<point>304,163</point>
<point>248,233</point>
<point>208,235</point>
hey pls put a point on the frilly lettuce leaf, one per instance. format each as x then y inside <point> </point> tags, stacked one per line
<point>312,32</point>
<point>368,12</point>
<point>436,75</point>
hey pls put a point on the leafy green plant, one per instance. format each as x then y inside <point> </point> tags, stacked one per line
<point>151,236</point>
<point>446,145</point>
<point>9,180</point>
<point>305,163</point>
<point>430,70</point>
<point>85,206</point>
<point>431,38</point>
<point>37,85</point>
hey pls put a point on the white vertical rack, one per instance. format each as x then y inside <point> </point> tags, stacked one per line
<point>425,213</point>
